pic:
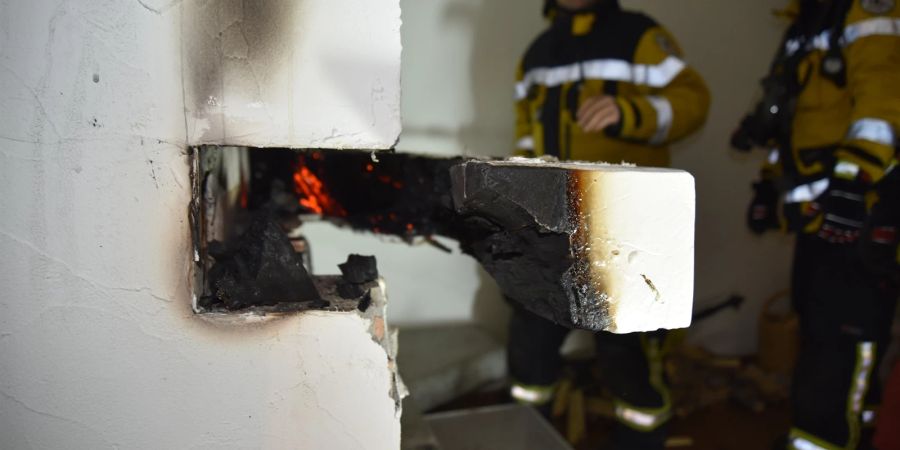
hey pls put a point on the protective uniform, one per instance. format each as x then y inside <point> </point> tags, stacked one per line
<point>841,59</point>
<point>607,51</point>
<point>603,51</point>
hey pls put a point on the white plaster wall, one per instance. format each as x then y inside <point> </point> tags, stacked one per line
<point>98,345</point>
<point>458,62</point>
<point>289,73</point>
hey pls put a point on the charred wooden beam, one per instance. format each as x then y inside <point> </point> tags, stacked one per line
<point>593,246</point>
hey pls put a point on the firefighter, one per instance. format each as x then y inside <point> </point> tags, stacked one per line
<point>831,110</point>
<point>602,84</point>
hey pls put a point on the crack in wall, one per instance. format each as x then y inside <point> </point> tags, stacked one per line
<point>97,284</point>
<point>159,10</point>
<point>38,412</point>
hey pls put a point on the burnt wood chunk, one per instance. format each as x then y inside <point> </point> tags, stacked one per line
<point>591,246</point>
<point>260,267</point>
<point>359,269</point>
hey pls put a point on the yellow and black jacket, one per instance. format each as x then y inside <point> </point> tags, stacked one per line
<point>854,119</point>
<point>607,51</point>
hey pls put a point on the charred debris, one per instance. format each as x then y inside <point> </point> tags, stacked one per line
<point>263,263</point>
<point>262,270</point>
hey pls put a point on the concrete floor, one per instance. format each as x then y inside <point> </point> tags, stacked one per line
<point>441,363</point>
<point>727,426</point>
<point>723,426</point>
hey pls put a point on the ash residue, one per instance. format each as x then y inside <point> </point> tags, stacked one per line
<point>259,268</point>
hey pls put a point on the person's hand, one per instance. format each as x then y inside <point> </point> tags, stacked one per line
<point>597,113</point>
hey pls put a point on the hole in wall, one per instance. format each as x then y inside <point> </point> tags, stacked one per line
<point>249,206</point>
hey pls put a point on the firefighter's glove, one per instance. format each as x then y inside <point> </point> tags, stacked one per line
<point>762,214</point>
<point>843,205</point>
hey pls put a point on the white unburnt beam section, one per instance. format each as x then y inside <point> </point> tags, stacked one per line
<point>593,246</point>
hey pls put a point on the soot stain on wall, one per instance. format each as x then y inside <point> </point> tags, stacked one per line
<point>237,41</point>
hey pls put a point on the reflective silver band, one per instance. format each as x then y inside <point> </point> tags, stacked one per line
<point>843,221</point>
<point>800,443</point>
<point>846,169</point>
<point>807,192</point>
<point>531,395</point>
<point>525,143</point>
<point>868,417</point>
<point>640,419</point>
<point>801,440</point>
<point>875,130</point>
<point>879,26</point>
<point>848,195</point>
<point>658,75</point>
<point>664,117</point>
<point>865,354</point>
<point>859,387</point>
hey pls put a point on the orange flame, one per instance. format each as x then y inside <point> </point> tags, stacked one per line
<point>313,195</point>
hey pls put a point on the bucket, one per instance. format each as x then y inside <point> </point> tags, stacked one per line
<point>779,335</point>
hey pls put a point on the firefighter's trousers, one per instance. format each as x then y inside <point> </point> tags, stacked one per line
<point>845,318</point>
<point>632,369</point>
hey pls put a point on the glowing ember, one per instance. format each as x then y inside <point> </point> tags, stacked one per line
<point>245,195</point>
<point>313,195</point>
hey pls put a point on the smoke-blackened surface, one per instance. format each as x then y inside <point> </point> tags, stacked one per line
<point>525,224</point>
<point>590,301</point>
